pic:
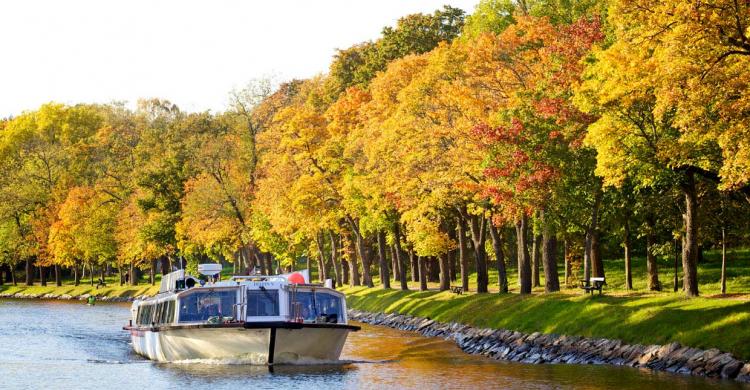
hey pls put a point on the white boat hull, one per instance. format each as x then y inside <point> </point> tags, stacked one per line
<point>255,346</point>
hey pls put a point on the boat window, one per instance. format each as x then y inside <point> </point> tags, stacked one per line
<point>170,312</point>
<point>329,307</point>
<point>262,303</point>
<point>320,307</point>
<point>158,309</point>
<point>144,314</point>
<point>163,312</point>
<point>200,305</point>
<point>306,307</point>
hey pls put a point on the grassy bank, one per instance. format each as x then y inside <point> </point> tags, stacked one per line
<point>638,316</point>
<point>113,289</point>
<point>644,319</point>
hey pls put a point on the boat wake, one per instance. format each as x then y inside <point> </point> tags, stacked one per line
<point>108,361</point>
<point>261,361</point>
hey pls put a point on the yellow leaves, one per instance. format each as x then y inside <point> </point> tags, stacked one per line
<point>680,56</point>
<point>425,234</point>
<point>210,213</point>
<point>83,229</point>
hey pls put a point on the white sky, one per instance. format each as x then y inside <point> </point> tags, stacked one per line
<point>190,52</point>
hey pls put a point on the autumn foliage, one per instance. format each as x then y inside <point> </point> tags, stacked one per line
<point>446,144</point>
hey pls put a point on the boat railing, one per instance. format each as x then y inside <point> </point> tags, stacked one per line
<point>258,278</point>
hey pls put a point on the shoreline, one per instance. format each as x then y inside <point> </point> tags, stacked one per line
<point>538,348</point>
<point>72,297</point>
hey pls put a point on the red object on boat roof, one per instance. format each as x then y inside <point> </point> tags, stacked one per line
<point>296,278</point>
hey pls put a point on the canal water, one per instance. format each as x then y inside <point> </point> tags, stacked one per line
<point>68,345</point>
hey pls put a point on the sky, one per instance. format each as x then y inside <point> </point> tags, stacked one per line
<point>192,53</point>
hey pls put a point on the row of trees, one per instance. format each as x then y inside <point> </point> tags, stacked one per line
<point>507,138</point>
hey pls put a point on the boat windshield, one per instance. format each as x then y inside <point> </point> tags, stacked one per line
<point>320,307</point>
<point>202,305</point>
<point>329,306</point>
<point>262,303</point>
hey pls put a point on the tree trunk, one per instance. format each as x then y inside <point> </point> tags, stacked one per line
<point>58,281</point>
<point>535,248</point>
<point>497,246</point>
<point>322,272</point>
<point>335,260</point>
<point>133,275</point>
<point>165,269</point>
<point>478,238</point>
<point>322,276</point>
<point>453,266</point>
<point>385,276</point>
<point>262,262</point>
<point>549,257</point>
<point>76,275</point>
<point>362,252</point>
<point>400,258</point>
<point>462,253</point>
<point>394,264</point>
<point>345,271</point>
<point>43,276</point>
<point>628,254</point>
<point>354,276</point>
<point>91,274</point>
<point>13,275</point>
<point>690,247</point>
<point>597,264</point>
<point>433,270</point>
<point>413,266</point>
<point>29,272</point>
<point>651,265</point>
<point>422,273</point>
<point>677,257</point>
<point>592,258</point>
<point>445,281</point>
<point>723,260</point>
<point>152,273</point>
<point>566,261</point>
<point>9,272</point>
<point>524,263</point>
<point>269,263</point>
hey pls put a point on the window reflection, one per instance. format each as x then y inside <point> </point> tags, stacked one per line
<point>200,306</point>
<point>319,307</point>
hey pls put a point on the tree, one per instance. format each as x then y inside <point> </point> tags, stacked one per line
<point>642,132</point>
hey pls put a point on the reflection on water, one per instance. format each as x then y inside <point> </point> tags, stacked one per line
<point>52,344</point>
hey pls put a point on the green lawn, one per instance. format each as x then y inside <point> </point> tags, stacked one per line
<point>637,316</point>
<point>113,288</point>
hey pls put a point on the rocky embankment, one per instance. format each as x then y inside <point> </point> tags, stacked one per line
<point>66,297</point>
<point>537,348</point>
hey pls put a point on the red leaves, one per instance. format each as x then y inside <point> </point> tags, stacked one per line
<point>497,195</point>
<point>502,134</point>
<point>576,39</point>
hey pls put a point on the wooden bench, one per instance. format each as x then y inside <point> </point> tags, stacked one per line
<point>457,290</point>
<point>595,283</point>
<point>101,283</point>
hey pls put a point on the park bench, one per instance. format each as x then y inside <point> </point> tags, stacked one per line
<point>595,283</point>
<point>457,290</point>
<point>101,283</point>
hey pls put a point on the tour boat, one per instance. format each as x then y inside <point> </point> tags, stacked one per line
<point>259,319</point>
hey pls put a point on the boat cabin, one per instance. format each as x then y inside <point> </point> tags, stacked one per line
<point>184,300</point>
